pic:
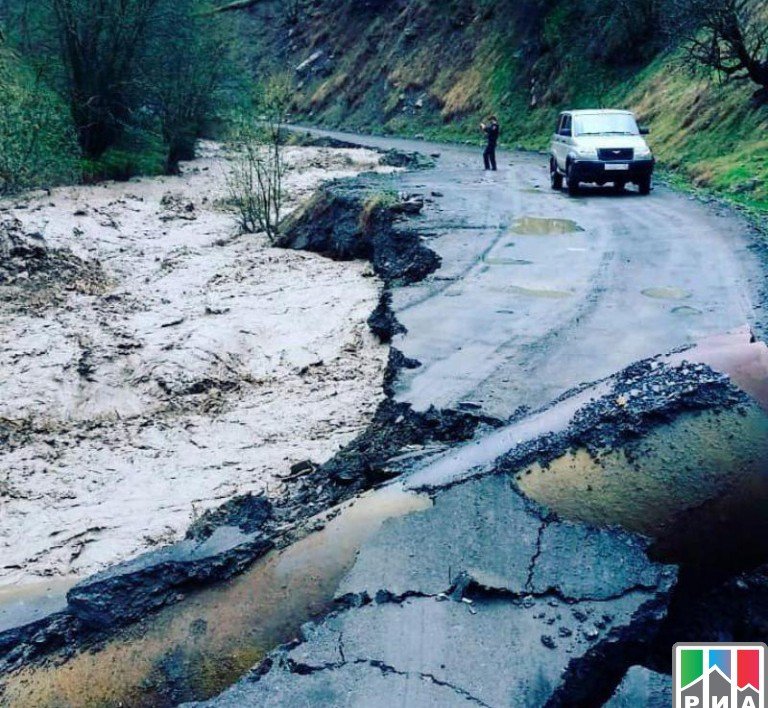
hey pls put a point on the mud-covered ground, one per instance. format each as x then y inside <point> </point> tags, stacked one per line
<point>154,363</point>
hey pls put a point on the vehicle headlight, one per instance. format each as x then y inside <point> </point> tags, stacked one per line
<point>643,152</point>
<point>588,153</point>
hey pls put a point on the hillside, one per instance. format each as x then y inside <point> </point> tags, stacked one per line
<point>434,69</point>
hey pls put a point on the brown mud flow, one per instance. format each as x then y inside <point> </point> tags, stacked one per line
<point>195,649</point>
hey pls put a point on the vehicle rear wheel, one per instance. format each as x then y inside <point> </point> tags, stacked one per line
<point>555,178</point>
<point>573,183</point>
<point>645,186</point>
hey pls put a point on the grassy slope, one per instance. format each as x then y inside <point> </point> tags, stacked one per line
<point>415,67</point>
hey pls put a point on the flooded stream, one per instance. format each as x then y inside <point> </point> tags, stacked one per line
<point>195,649</point>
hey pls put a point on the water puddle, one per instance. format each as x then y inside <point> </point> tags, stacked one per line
<point>667,293</point>
<point>541,293</point>
<point>536,226</point>
<point>507,261</point>
<point>686,311</point>
<point>197,648</point>
<point>698,486</point>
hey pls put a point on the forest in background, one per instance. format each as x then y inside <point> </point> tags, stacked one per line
<point>97,89</point>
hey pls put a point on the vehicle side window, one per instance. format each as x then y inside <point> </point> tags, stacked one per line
<point>560,120</point>
<point>567,122</point>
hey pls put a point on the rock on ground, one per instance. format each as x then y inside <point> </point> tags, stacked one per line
<point>642,687</point>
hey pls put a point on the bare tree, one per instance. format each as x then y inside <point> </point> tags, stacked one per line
<point>729,36</point>
<point>256,178</point>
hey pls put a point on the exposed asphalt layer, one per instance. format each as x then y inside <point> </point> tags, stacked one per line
<point>485,594</point>
<point>488,322</point>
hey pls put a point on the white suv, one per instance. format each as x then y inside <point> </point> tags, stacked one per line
<point>600,147</point>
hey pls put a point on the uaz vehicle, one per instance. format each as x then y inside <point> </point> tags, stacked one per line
<point>600,146</point>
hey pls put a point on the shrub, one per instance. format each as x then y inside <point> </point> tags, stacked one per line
<point>37,141</point>
<point>255,180</point>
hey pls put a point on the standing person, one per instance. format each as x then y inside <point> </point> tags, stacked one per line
<point>491,130</point>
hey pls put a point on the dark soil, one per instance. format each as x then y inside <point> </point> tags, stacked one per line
<point>32,274</point>
<point>348,220</point>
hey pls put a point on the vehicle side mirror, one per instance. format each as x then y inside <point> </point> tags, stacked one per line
<point>645,131</point>
<point>566,133</point>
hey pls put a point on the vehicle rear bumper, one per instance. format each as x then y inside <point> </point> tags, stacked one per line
<point>599,171</point>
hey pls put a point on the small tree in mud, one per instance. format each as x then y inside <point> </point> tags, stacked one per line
<point>256,178</point>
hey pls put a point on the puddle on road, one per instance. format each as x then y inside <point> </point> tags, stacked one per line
<point>536,226</point>
<point>507,261</point>
<point>541,293</point>
<point>698,486</point>
<point>686,311</point>
<point>667,293</point>
<point>199,647</point>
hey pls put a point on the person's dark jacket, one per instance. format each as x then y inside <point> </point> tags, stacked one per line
<point>492,134</point>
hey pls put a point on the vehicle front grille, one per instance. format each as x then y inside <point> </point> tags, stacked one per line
<point>619,154</point>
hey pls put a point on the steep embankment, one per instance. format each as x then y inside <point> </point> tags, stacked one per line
<point>417,67</point>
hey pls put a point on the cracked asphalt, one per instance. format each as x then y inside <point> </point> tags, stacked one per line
<point>483,599</point>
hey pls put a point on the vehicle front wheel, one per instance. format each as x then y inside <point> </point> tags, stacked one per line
<point>573,183</point>
<point>555,178</point>
<point>645,186</point>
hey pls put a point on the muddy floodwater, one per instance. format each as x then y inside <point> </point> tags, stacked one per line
<point>698,486</point>
<point>195,649</point>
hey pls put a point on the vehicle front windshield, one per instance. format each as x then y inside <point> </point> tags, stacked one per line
<point>605,124</point>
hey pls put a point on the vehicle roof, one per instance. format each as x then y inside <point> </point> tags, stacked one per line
<point>586,111</point>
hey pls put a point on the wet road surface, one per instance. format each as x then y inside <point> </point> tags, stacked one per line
<point>539,292</point>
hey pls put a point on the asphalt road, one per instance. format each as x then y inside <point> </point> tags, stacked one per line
<point>515,317</point>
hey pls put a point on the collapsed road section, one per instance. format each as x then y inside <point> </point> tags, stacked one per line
<point>487,598</point>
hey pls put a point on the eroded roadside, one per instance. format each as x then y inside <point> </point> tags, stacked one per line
<point>224,542</point>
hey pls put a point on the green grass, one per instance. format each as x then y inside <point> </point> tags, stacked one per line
<point>139,154</point>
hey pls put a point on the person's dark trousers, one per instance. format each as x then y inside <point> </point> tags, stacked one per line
<point>489,157</point>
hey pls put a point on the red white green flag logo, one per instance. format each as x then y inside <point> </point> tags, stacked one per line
<point>719,675</point>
